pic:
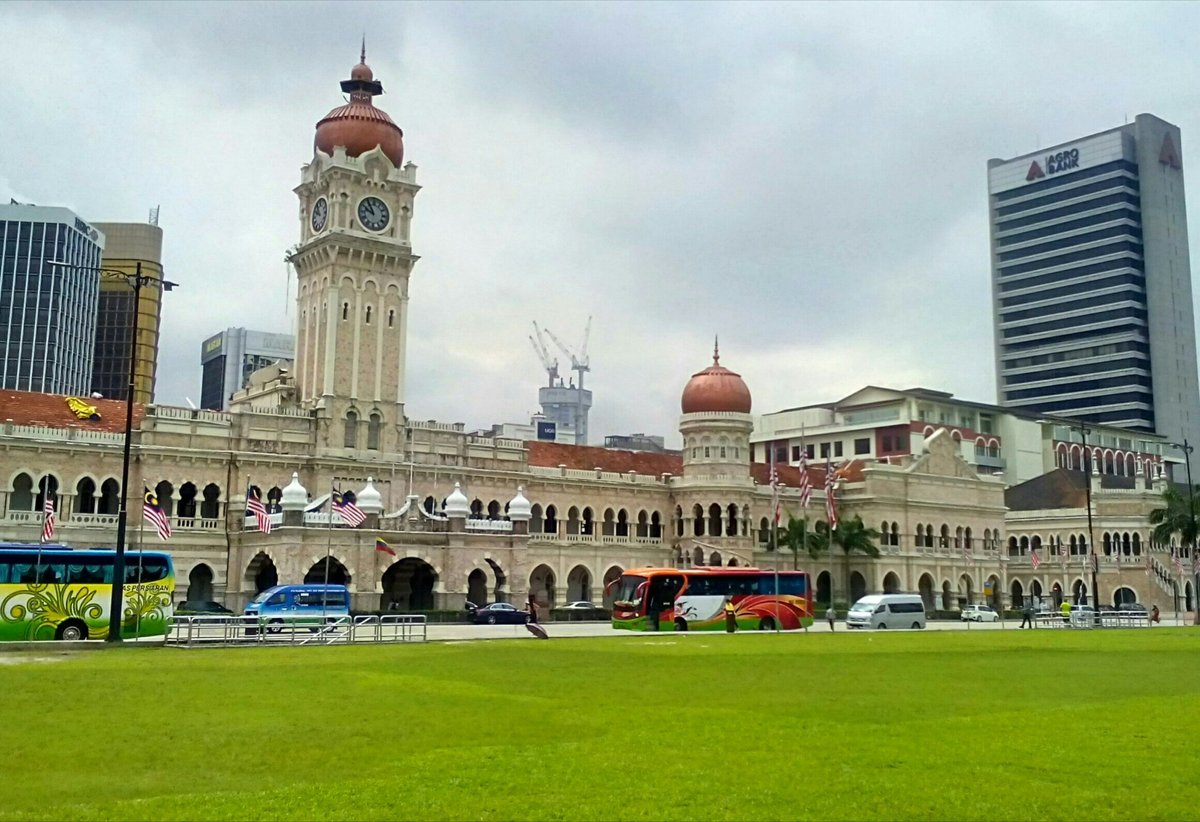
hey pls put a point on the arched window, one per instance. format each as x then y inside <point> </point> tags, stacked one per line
<point>391,316</point>
<point>588,526</point>
<point>368,315</point>
<point>351,440</point>
<point>21,498</point>
<point>731,524</point>
<point>345,311</point>
<point>374,423</point>
<point>85,496</point>
<point>187,500</point>
<point>210,508</point>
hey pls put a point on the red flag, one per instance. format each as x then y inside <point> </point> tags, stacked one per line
<point>48,519</point>
<point>1035,559</point>
<point>805,484</point>
<point>830,502</point>
<point>254,505</point>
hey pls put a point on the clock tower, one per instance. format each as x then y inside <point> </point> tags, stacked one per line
<point>353,263</point>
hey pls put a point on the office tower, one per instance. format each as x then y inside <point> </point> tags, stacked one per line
<point>47,298</point>
<point>128,244</point>
<point>228,359</point>
<point>1091,284</point>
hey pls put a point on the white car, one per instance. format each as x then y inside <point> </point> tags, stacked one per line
<point>580,606</point>
<point>979,613</point>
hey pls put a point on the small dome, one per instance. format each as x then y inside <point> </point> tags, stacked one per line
<point>361,72</point>
<point>369,498</point>
<point>716,389</point>
<point>519,509</point>
<point>295,497</point>
<point>457,504</point>
<point>358,126</point>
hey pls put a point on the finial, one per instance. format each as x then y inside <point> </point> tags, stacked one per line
<point>716,350</point>
<point>362,58</point>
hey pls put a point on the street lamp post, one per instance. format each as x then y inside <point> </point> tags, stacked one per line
<point>137,281</point>
<point>1093,560</point>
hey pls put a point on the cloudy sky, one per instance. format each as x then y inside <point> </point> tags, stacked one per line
<point>806,180</point>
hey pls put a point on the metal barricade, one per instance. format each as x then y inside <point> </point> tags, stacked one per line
<point>226,631</point>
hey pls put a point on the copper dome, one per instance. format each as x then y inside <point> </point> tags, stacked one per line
<point>716,389</point>
<point>359,125</point>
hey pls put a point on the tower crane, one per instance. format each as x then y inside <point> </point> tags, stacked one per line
<point>579,364</point>
<point>539,346</point>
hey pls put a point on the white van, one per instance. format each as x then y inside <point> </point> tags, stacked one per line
<point>887,611</point>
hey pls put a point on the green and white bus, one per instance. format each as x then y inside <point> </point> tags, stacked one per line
<point>53,592</point>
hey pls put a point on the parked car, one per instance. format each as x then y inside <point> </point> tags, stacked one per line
<point>200,608</point>
<point>296,606</point>
<point>1133,607</point>
<point>499,613</point>
<point>581,606</point>
<point>979,613</point>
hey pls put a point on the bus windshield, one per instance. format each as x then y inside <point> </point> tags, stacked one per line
<point>627,590</point>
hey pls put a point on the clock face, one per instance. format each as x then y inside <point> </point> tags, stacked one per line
<point>373,214</point>
<point>320,214</point>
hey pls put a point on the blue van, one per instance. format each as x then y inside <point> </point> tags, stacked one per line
<point>298,605</point>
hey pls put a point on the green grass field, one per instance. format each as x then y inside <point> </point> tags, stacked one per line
<point>984,725</point>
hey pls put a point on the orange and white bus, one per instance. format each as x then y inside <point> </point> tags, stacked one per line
<point>693,599</point>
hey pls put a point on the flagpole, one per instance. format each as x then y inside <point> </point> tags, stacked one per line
<point>328,550</point>
<point>137,614</point>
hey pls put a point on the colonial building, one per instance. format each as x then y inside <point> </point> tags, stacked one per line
<point>465,516</point>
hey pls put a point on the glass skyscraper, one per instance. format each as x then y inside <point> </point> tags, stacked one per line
<point>47,311</point>
<point>1091,284</point>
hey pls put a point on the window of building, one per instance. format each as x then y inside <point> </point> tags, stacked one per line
<point>391,316</point>
<point>887,442</point>
<point>824,450</point>
<point>374,424</point>
<point>862,446</point>
<point>368,315</point>
<point>837,448</point>
<point>809,451</point>
<point>351,438</point>
<point>345,311</point>
<point>795,453</point>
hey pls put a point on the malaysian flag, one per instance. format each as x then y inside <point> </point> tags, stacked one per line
<point>352,515</point>
<point>1062,555</point>
<point>1035,559</point>
<point>1147,563</point>
<point>1195,561</point>
<point>830,502</point>
<point>153,513</point>
<point>48,519</point>
<point>1095,562</point>
<point>805,484</point>
<point>254,505</point>
<point>775,506</point>
<point>1177,558</point>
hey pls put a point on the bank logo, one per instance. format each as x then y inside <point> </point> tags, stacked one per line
<point>1168,155</point>
<point>1035,172</point>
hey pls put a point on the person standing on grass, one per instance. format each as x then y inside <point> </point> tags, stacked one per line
<point>831,616</point>
<point>1027,615</point>
<point>1065,610</point>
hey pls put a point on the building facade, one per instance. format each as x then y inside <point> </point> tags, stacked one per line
<point>1091,281</point>
<point>229,358</point>
<point>47,298</point>
<point>128,245</point>
<point>470,517</point>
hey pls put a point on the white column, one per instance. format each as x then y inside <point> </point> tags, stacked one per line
<point>402,342</point>
<point>358,324</point>
<point>333,316</point>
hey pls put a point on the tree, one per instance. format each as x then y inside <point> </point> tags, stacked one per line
<point>852,536</point>
<point>1178,516</point>
<point>798,537</point>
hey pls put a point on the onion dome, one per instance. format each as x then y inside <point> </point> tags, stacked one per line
<point>716,389</point>
<point>295,497</point>
<point>369,498</point>
<point>519,509</point>
<point>359,126</point>
<point>457,504</point>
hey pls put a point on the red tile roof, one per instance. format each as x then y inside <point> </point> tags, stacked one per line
<point>589,457</point>
<point>789,475</point>
<point>51,411</point>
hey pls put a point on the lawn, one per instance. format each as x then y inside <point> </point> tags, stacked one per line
<point>946,725</point>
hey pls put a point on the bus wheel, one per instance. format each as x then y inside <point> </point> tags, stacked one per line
<point>767,624</point>
<point>917,625</point>
<point>275,626</point>
<point>680,624</point>
<point>71,631</point>
<point>882,626</point>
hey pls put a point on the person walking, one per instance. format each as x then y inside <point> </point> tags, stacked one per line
<point>1065,610</point>
<point>831,616</point>
<point>1154,615</point>
<point>1027,615</point>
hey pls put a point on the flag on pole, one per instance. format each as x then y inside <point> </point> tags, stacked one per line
<point>1062,555</point>
<point>254,505</point>
<point>830,502</point>
<point>383,548</point>
<point>1195,561</point>
<point>153,513</point>
<point>1094,561</point>
<point>966,549</point>
<point>1177,558</point>
<point>352,515</point>
<point>1035,559</point>
<point>48,519</point>
<point>1147,563</point>
<point>775,506</point>
<point>805,483</point>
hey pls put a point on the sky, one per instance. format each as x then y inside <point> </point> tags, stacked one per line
<point>807,181</point>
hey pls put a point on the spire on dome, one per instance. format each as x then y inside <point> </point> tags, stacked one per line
<point>716,350</point>
<point>362,58</point>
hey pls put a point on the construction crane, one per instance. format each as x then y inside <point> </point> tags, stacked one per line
<point>551,366</point>
<point>579,364</point>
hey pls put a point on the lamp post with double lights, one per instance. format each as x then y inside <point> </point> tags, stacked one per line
<point>137,281</point>
<point>1093,560</point>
